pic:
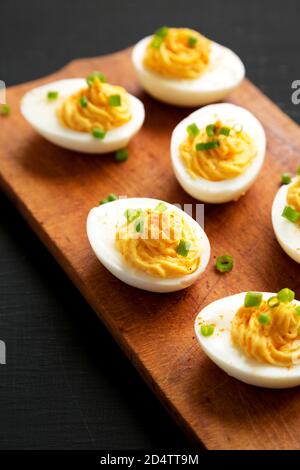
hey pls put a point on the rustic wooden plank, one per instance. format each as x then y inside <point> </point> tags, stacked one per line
<point>55,188</point>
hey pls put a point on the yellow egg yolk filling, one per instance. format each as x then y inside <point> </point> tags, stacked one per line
<point>228,157</point>
<point>277,342</point>
<point>162,244</point>
<point>293,196</point>
<point>99,106</point>
<point>177,53</point>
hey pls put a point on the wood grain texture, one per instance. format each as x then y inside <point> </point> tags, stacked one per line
<point>55,188</point>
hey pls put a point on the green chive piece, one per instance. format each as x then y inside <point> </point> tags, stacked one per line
<point>273,302</point>
<point>83,102</point>
<point>264,319</point>
<point>298,170</point>
<point>253,299</point>
<point>162,32</point>
<point>52,95</point>
<point>297,311</point>
<point>192,41</point>
<point>210,130</point>
<point>114,101</point>
<point>5,110</point>
<point>207,145</point>
<point>224,263</point>
<point>193,130</point>
<point>121,155</point>
<point>139,225</point>
<point>98,133</point>
<point>183,248</point>
<point>90,79</point>
<point>111,197</point>
<point>132,214</point>
<point>161,207</point>
<point>286,295</point>
<point>159,36</point>
<point>207,330</point>
<point>225,131</point>
<point>290,214</point>
<point>103,201</point>
<point>286,178</point>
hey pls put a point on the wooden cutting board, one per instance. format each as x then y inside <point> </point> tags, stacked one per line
<point>54,190</point>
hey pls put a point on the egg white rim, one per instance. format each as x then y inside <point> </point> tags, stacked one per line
<point>65,88</point>
<point>237,364</point>
<point>99,216</point>
<point>189,85</point>
<point>204,116</point>
<point>287,233</point>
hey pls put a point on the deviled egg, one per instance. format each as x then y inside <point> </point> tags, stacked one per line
<point>149,244</point>
<point>85,115</point>
<point>182,67</point>
<point>254,337</point>
<point>217,152</point>
<point>286,218</point>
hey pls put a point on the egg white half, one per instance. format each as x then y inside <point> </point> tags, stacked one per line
<point>223,74</point>
<point>102,224</point>
<point>41,115</point>
<point>287,233</point>
<point>220,349</point>
<point>226,190</point>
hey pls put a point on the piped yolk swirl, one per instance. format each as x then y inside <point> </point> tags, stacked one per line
<point>230,159</point>
<point>276,343</point>
<point>293,195</point>
<point>97,113</point>
<point>154,249</point>
<point>176,57</point>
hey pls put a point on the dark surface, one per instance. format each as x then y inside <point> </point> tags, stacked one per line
<point>66,384</point>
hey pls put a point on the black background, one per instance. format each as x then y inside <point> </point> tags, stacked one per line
<point>66,384</point>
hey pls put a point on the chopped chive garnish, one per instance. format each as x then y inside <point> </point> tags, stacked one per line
<point>162,32</point>
<point>298,171</point>
<point>253,299</point>
<point>225,131</point>
<point>273,302</point>
<point>297,311</point>
<point>139,225</point>
<point>286,295</point>
<point>210,130</point>
<point>207,145</point>
<point>52,95</point>
<point>132,214</point>
<point>286,178</point>
<point>83,102</point>
<point>121,155</point>
<point>207,330</point>
<point>290,214</point>
<point>112,197</point>
<point>98,133</point>
<point>264,319</point>
<point>183,248</point>
<point>224,263</point>
<point>161,207</point>
<point>5,110</point>
<point>114,100</point>
<point>159,36</point>
<point>92,77</point>
<point>193,130</point>
<point>192,41</point>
